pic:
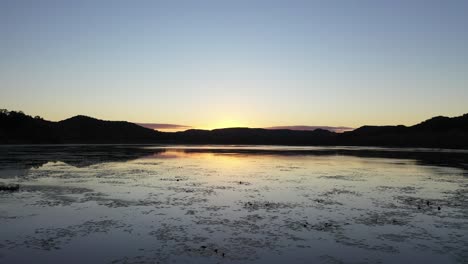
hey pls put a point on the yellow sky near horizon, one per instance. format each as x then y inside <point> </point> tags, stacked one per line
<point>236,63</point>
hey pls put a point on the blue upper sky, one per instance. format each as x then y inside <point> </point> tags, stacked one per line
<point>236,63</point>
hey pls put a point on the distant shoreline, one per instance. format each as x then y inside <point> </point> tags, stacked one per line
<point>256,147</point>
<point>17,128</point>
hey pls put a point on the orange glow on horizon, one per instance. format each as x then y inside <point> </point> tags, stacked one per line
<point>171,129</point>
<point>227,123</point>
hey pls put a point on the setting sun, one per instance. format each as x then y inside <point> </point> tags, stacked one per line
<point>227,123</point>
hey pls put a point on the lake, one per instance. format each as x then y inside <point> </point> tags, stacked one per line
<point>233,204</point>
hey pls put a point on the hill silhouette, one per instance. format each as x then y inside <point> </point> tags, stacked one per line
<point>437,132</point>
<point>18,128</point>
<point>90,130</point>
<point>257,136</point>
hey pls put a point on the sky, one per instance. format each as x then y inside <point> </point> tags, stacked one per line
<point>211,64</point>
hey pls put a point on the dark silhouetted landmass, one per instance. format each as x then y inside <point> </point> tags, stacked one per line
<point>249,136</point>
<point>437,132</point>
<point>338,129</point>
<point>18,128</point>
<point>91,130</point>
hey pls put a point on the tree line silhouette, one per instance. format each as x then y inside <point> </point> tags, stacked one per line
<point>19,128</point>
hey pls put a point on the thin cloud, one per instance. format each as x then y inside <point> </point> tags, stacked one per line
<point>158,126</point>
<point>339,129</point>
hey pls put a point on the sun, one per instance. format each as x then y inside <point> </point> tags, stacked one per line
<point>227,123</point>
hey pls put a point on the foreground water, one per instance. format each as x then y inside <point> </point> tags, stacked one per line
<point>227,204</point>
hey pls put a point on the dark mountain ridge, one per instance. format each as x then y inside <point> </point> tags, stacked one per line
<point>257,136</point>
<point>18,128</point>
<point>437,132</point>
<point>87,129</point>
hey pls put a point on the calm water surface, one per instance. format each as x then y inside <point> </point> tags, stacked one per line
<point>233,204</point>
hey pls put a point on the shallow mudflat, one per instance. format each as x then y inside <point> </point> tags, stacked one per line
<point>121,204</point>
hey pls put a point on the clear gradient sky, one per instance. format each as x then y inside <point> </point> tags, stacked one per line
<point>236,63</point>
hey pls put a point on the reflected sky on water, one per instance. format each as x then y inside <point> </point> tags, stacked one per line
<point>232,204</point>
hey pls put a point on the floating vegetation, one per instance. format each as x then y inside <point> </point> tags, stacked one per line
<point>197,207</point>
<point>9,187</point>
